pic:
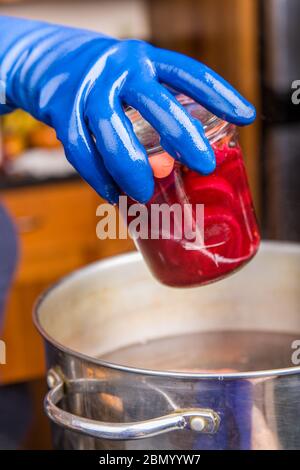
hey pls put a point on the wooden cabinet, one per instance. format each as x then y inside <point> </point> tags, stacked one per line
<point>57,232</point>
<point>56,225</point>
<point>225,36</point>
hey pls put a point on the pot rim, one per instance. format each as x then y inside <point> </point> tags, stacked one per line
<point>287,247</point>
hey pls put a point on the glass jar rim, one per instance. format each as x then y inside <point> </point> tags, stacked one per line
<point>214,127</point>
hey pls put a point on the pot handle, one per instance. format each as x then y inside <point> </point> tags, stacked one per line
<point>196,419</point>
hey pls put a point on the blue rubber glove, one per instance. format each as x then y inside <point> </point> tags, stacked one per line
<point>78,81</point>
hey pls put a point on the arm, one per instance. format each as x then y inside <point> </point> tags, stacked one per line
<point>77,81</point>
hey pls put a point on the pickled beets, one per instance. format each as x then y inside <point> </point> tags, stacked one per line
<point>231,235</point>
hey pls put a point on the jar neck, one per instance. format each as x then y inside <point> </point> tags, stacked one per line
<point>215,128</point>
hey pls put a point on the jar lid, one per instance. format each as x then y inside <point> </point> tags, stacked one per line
<point>214,127</point>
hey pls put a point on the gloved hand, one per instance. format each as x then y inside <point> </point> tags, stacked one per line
<point>77,81</point>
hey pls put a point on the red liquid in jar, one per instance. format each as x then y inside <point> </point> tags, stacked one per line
<point>231,235</point>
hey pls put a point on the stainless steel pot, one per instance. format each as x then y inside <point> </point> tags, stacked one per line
<point>252,404</point>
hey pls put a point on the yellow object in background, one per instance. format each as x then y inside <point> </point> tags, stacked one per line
<point>21,132</point>
<point>43,136</point>
<point>19,122</point>
<point>13,145</point>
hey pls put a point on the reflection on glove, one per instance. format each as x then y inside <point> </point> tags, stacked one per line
<point>78,81</point>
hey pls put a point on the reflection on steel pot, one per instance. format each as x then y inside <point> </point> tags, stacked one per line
<point>137,365</point>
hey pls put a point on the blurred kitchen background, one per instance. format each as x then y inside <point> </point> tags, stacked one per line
<point>254,44</point>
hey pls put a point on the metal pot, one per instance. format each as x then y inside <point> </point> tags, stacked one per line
<point>244,393</point>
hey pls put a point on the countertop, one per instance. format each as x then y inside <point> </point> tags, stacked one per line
<point>16,182</point>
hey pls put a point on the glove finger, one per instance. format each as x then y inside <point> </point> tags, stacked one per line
<point>123,155</point>
<point>203,85</point>
<point>182,136</point>
<point>82,153</point>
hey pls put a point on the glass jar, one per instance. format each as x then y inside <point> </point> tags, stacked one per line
<point>222,233</point>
